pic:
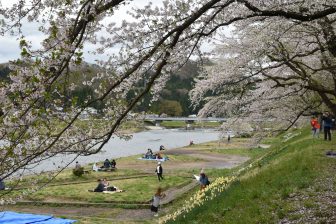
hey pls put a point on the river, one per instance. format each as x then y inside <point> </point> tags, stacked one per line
<point>138,144</point>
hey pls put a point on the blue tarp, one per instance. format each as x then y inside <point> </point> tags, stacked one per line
<point>23,218</point>
<point>159,160</point>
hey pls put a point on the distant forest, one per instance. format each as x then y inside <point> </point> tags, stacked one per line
<point>173,99</point>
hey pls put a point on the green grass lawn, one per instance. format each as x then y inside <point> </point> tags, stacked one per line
<point>264,193</point>
<point>136,190</point>
<point>236,143</point>
<point>67,176</point>
<point>252,153</point>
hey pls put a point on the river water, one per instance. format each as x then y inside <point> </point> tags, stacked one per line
<point>138,144</point>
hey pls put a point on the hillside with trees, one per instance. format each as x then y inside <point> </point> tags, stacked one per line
<point>173,100</point>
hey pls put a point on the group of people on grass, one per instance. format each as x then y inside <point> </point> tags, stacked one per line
<point>107,165</point>
<point>104,186</point>
<point>325,123</point>
<point>150,155</point>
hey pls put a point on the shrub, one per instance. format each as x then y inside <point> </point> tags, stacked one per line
<point>78,171</point>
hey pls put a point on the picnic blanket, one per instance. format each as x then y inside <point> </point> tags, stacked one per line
<point>112,192</point>
<point>159,160</point>
<point>8,217</point>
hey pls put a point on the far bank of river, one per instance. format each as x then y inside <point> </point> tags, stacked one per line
<point>138,144</point>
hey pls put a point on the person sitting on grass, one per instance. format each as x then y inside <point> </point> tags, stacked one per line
<point>107,186</point>
<point>113,163</point>
<point>158,156</point>
<point>103,186</point>
<point>107,164</point>
<point>149,154</point>
<point>204,181</point>
<point>162,147</point>
<point>95,167</point>
<point>78,170</point>
<point>100,187</point>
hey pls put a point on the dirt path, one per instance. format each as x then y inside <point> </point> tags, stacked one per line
<point>206,160</point>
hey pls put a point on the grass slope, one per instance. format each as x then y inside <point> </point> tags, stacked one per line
<point>137,190</point>
<point>291,184</point>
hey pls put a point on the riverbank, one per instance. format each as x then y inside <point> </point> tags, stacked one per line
<point>139,143</point>
<point>196,124</point>
<point>68,197</point>
<point>130,127</point>
<point>290,182</point>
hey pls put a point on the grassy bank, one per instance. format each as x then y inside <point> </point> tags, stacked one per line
<point>291,184</point>
<point>135,176</point>
<point>182,124</point>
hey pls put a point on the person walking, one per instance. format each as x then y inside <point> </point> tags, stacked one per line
<point>327,124</point>
<point>156,201</point>
<point>159,171</point>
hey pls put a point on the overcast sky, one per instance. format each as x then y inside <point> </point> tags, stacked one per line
<point>9,49</point>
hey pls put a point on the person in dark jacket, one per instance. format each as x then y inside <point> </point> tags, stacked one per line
<point>113,163</point>
<point>100,187</point>
<point>159,171</point>
<point>149,154</point>
<point>327,124</point>
<point>107,164</point>
<point>204,181</point>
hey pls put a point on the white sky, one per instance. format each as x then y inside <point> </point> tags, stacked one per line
<point>9,49</point>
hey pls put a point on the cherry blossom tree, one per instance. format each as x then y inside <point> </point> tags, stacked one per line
<point>273,69</point>
<point>155,42</point>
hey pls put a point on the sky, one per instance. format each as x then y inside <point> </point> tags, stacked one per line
<point>9,49</point>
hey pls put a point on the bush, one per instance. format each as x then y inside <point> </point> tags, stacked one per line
<point>78,171</point>
<point>245,135</point>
